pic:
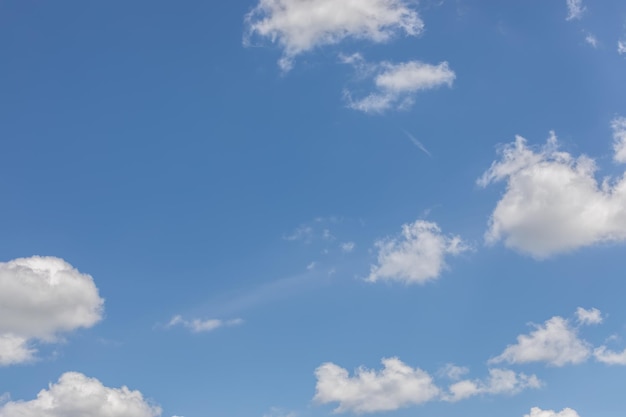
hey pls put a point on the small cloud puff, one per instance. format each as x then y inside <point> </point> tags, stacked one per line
<point>417,256</point>
<point>538,412</point>
<point>396,84</point>
<point>202,326</point>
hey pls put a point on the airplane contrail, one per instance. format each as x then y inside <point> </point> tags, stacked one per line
<point>417,143</point>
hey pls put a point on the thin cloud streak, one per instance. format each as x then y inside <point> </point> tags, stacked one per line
<point>417,143</point>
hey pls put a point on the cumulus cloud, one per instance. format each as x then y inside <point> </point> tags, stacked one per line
<point>416,256</point>
<point>609,357</point>
<point>555,342</point>
<point>575,9</point>
<point>396,84</point>
<point>77,395</point>
<point>396,386</point>
<point>619,138</point>
<point>592,316</point>
<point>299,26</point>
<point>500,381</point>
<point>621,47</point>
<point>538,412</point>
<point>553,203</point>
<point>42,298</point>
<point>202,326</point>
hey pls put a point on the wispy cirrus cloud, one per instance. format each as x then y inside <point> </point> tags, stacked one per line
<point>202,325</point>
<point>575,9</point>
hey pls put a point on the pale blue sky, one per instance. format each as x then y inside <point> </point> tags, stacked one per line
<point>236,176</point>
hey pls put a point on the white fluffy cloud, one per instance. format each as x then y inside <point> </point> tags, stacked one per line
<point>591,316</point>
<point>396,84</point>
<point>301,25</point>
<point>555,342</point>
<point>619,138</point>
<point>417,256</point>
<point>202,326</point>
<point>500,381</point>
<point>575,9</point>
<point>40,299</point>
<point>553,202</point>
<point>538,412</point>
<point>76,395</point>
<point>609,357</point>
<point>397,385</point>
<point>621,47</point>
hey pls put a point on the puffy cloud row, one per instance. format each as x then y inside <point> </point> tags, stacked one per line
<point>300,26</point>
<point>76,395</point>
<point>553,202</point>
<point>398,385</point>
<point>42,298</point>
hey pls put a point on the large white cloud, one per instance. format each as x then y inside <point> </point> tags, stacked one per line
<point>397,385</point>
<point>396,84</point>
<point>301,25</point>
<point>40,299</point>
<point>500,381</point>
<point>76,395</point>
<point>417,256</point>
<point>555,342</point>
<point>553,202</point>
<point>538,412</point>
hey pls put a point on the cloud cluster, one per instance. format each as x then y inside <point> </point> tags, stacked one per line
<point>557,343</point>
<point>416,256</point>
<point>202,326</point>
<point>300,26</point>
<point>538,412</point>
<point>553,202</point>
<point>76,395</point>
<point>398,385</point>
<point>40,299</point>
<point>396,84</point>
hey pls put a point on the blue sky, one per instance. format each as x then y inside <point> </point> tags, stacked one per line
<point>283,208</point>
